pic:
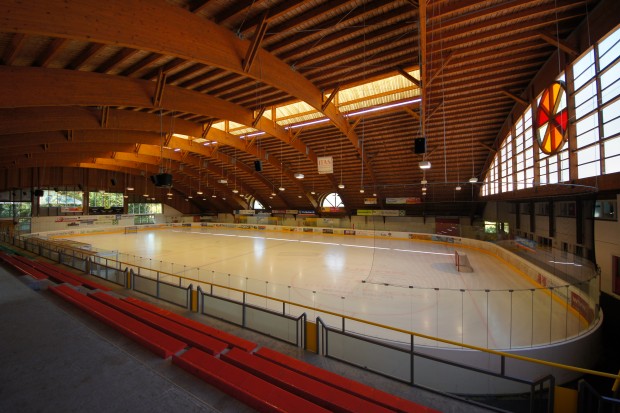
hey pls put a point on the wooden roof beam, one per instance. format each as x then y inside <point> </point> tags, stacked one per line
<point>554,41</point>
<point>105,116</point>
<point>17,42</point>
<point>50,52</point>
<point>514,97</point>
<point>259,115</point>
<point>206,127</point>
<point>81,59</point>
<point>444,62</point>
<point>115,60</point>
<point>250,54</point>
<point>330,98</point>
<point>159,89</point>
<point>407,76</point>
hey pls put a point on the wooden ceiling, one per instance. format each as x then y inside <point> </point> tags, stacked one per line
<point>104,85</point>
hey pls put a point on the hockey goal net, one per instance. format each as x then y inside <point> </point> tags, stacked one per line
<point>131,230</point>
<point>461,261</point>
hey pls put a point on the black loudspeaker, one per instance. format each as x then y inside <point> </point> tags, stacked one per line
<point>258,166</point>
<point>113,182</point>
<point>162,180</point>
<point>419,145</point>
<point>38,192</point>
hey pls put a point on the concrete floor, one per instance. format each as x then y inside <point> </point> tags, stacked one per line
<point>56,358</point>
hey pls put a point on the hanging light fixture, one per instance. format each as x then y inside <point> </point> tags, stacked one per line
<point>281,188</point>
<point>473,178</point>
<point>341,185</point>
<point>199,192</point>
<point>235,191</point>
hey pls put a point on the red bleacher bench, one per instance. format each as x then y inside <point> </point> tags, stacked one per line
<point>54,271</point>
<point>249,389</point>
<point>21,267</point>
<point>230,339</point>
<point>159,343</point>
<point>315,391</point>
<point>351,386</point>
<point>193,337</point>
<point>57,277</point>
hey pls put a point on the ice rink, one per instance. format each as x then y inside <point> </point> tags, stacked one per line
<point>408,284</point>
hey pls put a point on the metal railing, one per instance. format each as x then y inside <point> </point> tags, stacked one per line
<point>269,304</point>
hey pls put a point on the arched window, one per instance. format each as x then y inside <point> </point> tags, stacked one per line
<point>332,201</point>
<point>255,204</point>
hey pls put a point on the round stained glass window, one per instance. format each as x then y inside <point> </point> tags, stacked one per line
<point>552,119</point>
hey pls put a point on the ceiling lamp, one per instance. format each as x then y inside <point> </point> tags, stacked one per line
<point>213,196</point>
<point>130,188</point>
<point>425,165</point>
<point>169,194</point>
<point>423,189</point>
<point>313,193</point>
<point>281,188</point>
<point>198,192</point>
<point>235,191</point>
<point>299,175</point>
<point>458,187</point>
<point>473,180</point>
<point>361,190</point>
<point>423,181</point>
<point>125,196</point>
<point>341,185</point>
<point>145,195</point>
<point>189,196</point>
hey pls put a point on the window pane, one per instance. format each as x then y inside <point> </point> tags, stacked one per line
<point>583,69</point>
<point>611,128</point>
<point>609,49</point>
<point>612,147</point>
<point>588,155</point>
<point>612,165</point>
<point>587,124</point>
<point>587,138</point>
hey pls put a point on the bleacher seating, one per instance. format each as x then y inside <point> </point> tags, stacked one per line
<point>359,389</point>
<point>159,343</point>
<point>265,380</point>
<point>193,337</point>
<point>315,391</point>
<point>253,391</point>
<point>232,340</point>
<point>63,275</point>
<point>21,267</point>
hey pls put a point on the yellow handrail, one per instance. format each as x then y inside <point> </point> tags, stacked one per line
<point>616,377</point>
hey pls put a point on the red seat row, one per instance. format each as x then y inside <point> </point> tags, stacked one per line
<point>315,391</point>
<point>159,343</point>
<point>265,380</point>
<point>231,340</point>
<point>246,387</point>
<point>350,386</point>
<point>63,275</point>
<point>21,267</point>
<point>206,343</point>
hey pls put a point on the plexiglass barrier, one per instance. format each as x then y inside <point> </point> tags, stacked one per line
<point>562,303</point>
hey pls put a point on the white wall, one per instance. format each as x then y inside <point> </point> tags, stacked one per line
<point>607,244</point>
<point>44,224</point>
